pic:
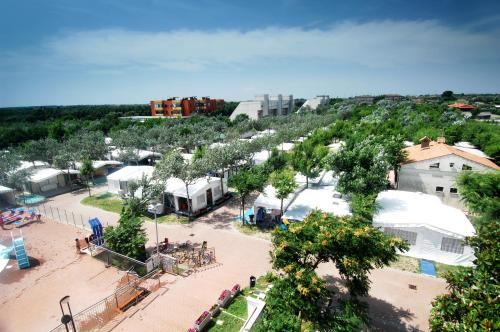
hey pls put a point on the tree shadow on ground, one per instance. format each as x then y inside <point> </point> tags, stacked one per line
<point>383,315</point>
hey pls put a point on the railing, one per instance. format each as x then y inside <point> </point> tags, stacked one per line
<point>96,316</point>
<point>64,216</point>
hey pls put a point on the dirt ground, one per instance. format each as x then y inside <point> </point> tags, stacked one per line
<point>393,305</point>
<point>29,298</point>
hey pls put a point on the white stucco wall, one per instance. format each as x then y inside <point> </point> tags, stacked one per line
<point>419,177</point>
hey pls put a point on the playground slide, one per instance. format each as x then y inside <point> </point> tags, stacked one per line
<point>21,256</point>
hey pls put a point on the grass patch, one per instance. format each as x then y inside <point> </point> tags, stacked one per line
<point>105,201</point>
<point>239,307</point>
<point>227,323</point>
<point>442,269</point>
<point>171,218</point>
<point>406,263</point>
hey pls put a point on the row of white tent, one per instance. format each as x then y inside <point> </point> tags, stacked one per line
<point>435,231</point>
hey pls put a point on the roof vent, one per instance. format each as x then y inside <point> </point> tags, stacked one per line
<point>441,140</point>
<point>425,142</point>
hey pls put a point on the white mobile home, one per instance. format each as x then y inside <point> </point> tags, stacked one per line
<point>203,194</point>
<point>434,230</point>
<point>118,181</point>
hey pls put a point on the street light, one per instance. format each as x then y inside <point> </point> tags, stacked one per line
<point>65,319</point>
<point>154,208</point>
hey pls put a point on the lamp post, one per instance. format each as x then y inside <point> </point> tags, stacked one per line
<point>155,207</point>
<point>66,319</point>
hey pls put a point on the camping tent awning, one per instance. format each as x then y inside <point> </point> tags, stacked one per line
<point>43,174</point>
<point>321,198</point>
<point>412,209</point>
<point>131,173</point>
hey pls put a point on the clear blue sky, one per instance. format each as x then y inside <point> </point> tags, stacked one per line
<point>60,52</point>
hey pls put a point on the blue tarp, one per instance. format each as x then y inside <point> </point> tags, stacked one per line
<point>96,226</point>
<point>427,267</point>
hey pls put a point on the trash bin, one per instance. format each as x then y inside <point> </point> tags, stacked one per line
<point>252,281</point>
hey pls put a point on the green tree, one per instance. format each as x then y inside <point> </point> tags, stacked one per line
<point>87,172</point>
<point>362,167</point>
<point>128,238</point>
<point>307,158</point>
<point>473,300</point>
<point>151,190</point>
<point>172,164</point>
<point>481,192</point>
<point>245,182</point>
<point>9,162</point>
<point>351,243</point>
<point>284,183</point>
<point>447,95</point>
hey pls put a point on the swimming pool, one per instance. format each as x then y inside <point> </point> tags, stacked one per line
<point>30,199</point>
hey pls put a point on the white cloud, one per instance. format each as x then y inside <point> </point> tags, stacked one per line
<point>379,44</point>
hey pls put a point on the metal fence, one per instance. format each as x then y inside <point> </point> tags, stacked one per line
<point>64,216</point>
<point>101,313</point>
<point>122,262</point>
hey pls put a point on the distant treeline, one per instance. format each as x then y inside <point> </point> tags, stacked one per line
<point>21,124</point>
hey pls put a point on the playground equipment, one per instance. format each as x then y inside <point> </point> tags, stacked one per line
<point>190,255</point>
<point>96,226</point>
<point>20,250</point>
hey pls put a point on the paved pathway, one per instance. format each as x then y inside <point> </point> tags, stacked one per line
<point>394,306</point>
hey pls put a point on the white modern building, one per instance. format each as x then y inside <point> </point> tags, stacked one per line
<point>265,105</point>
<point>119,180</point>
<point>433,230</point>
<point>433,167</point>
<point>313,103</point>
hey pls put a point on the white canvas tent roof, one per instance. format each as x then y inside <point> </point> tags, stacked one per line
<point>131,173</point>
<point>285,147</point>
<point>100,163</point>
<point>267,199</point>
<point>141,154</point>
<point>301,179</point>
<point>320,198</point>
<point>261,157</point>
<point>329,179</point>
<point>29,165</point>
<point>177,187</point>
<point>4,190</point>
<point>412,209</point>
<point>42,174</point>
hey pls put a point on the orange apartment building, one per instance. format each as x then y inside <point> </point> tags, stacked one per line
<point>174,107</point>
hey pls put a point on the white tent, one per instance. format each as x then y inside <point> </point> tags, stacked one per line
<point>140,154</point>
<point>7,195</point>
<point>118,181</point>
<point>301,179</point>
<point>286,147</point>
<point>261,157</point>
<point>202,193</point>
<point>268,200</point>
<point>322,198</point>
<point>101,166</point>
<point>434,231</point>
<point>46,179</point>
